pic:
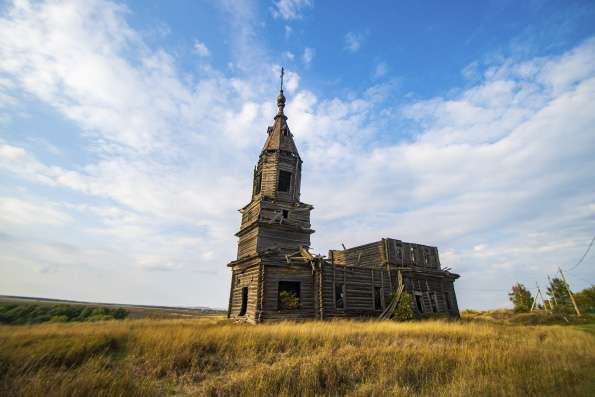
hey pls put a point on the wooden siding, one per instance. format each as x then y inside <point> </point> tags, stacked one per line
<point>269,165</point>
<point>280,237</point>
<point>317,291</point>
<point>391,251</point>
<point>359,283</point>
<point>247,278</point>
<point>300,273</point>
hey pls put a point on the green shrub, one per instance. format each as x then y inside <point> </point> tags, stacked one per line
<point>403,311</point>
<point>289,300</point>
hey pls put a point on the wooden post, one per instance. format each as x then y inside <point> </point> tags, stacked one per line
<point>334,282</point>
<point>260,294</point>
<point>344,288</point>
<point>542,298</point>
<point>383,289</point>
<point>390,279</point>
<point>321,289</point>
<point>373,290</point>
<point>578,312</point>
<point>233,277</point>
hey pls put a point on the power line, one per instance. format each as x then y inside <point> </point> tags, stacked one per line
<point>584,256</point>
<point>582,279</point>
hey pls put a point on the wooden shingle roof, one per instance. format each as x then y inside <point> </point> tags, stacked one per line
<point>280,137</point>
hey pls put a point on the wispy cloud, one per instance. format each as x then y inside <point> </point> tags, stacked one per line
<point>308,56</point>
<point>290,9</point>
<point>289,55</point>
<point>380,70</point>
<point>353,41</point>
<point>201,49</point>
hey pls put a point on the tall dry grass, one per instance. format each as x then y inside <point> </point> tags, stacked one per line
<point>213,357</point>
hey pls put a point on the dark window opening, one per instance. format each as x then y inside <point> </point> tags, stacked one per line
<point>288,295</point>
<point>285,214</point>
<point>418,303</point>
<point>284,181</point>
<point>447,300</point>
<point>244,301</point>
<point>377,298</point>
<point>433,302</point>
<point>339,296</point>
<point>257,183</point>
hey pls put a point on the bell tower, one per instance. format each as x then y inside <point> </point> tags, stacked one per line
<point>275,218</point>
<point>275,224</point>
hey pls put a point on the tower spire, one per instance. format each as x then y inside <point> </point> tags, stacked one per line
<point>281,97</point>
<point>282,74</point>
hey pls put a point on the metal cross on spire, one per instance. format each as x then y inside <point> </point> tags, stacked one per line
<point>282,74</point>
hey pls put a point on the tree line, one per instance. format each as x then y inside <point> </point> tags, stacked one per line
<point>14,313</point>
<point>559,299</point>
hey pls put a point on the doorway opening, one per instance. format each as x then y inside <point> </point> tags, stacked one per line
<point>244,306</point>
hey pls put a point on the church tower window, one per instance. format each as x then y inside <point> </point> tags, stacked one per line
<point>284,181</point>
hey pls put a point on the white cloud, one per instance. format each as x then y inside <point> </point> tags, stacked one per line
<point>11,153</point>
<point>380,70</point>
<point>290,9</point>
<point>14,211</point>
<point>308,56</point>
<point>201,49</point>
<point>470,72</point>
<point>289,55</point>
<point>353,41</point>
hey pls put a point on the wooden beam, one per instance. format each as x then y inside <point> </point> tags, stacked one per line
<point>578,312</point>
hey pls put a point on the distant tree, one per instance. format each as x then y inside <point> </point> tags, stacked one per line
<point>120,313</point>
<point>40,313</point>
<point>585,299</point>
<point>520,297</point>
<point>558,294</point>
<point>404,311</point>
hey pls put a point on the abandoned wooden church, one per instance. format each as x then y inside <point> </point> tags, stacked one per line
<point>275,277</point>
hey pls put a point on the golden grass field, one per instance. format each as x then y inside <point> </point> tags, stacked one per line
<point>213,357</point>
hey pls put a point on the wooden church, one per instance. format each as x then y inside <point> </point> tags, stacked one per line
<point>275,277</point>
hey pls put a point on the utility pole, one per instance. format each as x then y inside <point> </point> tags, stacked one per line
<point>578,312</point>
<point>542,299</point>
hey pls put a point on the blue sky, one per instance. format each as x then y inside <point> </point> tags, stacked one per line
<point>128,134</point>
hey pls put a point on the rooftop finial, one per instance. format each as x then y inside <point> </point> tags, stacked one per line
<point>281,97</point>
<point>282,74</point>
